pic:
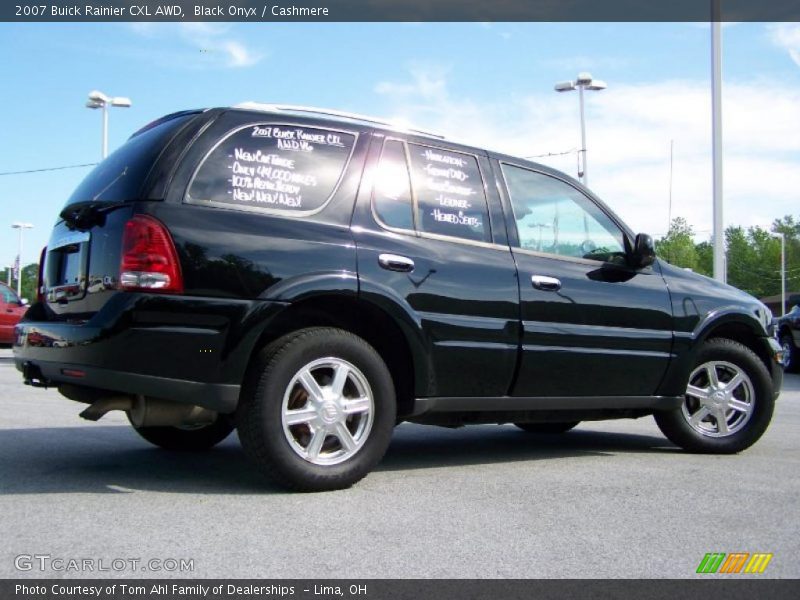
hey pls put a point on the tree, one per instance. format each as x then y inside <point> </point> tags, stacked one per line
<point>677,247</point>
<point>30,279</point>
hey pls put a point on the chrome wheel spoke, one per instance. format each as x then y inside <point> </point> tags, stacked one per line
<point>345,437</point>
<point>722,422</point>
<point>340,379</point>
<point>300,416</point>
<point>739,406</point>
<point>356,405</point>
<point>315,445</point>
<point>697,392</point>
<point>711,372</point>
<point>311,386</point>
<point>734,383</point>
<point>701,414</point>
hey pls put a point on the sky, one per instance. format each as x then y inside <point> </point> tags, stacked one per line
<point>489,84</point>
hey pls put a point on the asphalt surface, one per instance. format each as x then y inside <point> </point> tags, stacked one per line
<point>611,499</point>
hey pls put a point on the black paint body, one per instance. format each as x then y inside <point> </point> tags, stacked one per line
<point>464,333</point>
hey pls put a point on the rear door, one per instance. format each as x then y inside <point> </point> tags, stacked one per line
<point>592,325</point>
<point>431,244</point>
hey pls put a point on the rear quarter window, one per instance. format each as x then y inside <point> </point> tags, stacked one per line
<point>273,168</point>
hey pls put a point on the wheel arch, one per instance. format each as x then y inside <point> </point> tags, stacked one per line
<point>729,323</point>
<point>395,344</point>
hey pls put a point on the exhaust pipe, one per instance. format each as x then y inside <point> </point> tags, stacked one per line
<point>151,412</point>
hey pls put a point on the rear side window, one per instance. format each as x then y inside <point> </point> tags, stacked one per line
<point>393,204</point>
<point>273,168</point>
<point>448,196</point>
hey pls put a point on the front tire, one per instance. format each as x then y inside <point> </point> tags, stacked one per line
<point>728,403</point>
<point>791,360</point>
<point>188,439</point>
<point>318,410</point>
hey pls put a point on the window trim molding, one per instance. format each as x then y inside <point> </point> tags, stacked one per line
<point>187,199</point>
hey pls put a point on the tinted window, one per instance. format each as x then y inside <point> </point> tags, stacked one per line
<point>554,217</point>
<point>450,195</point>
<point>392,192</point>
<point>273,167</point>
<point>120,177</point>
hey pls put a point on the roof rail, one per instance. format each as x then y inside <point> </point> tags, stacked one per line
<point>268,107</point>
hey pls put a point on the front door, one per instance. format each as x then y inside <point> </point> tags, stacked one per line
<point>591,325</point>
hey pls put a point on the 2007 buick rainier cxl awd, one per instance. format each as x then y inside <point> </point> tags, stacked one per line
<point>313,278</point>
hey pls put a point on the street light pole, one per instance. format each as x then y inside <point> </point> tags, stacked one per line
<point>783,270</point>
<point>583,82</point>
<point>105,129</point>
<point>720,273</point>
<point>20,226</point>
<point>100,100</point>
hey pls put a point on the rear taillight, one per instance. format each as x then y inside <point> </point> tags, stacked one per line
<point>149,261</point>
<point>40,282</point>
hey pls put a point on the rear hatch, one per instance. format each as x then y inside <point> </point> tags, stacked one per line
<point>81,267</point>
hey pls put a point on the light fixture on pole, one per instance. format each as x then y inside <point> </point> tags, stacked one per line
<point>20,226</point>
<point>583,82</point>
<point>783,271</point>
<point>100,100</point>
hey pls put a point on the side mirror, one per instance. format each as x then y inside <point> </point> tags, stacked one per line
<point>23,302</point>
<point>643,253</point>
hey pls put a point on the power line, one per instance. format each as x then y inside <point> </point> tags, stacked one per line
<point>552,154</point>
<point>47,169</point>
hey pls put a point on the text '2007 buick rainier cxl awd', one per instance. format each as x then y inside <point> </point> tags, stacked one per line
<point>313,278</point>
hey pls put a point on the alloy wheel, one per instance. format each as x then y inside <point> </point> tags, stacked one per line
<point>327,411</point>
<point>719,399</point>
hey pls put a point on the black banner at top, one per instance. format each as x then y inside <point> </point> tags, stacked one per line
<point>399,10</point>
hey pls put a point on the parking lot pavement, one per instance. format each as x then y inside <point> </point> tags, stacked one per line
<point>611,499</point>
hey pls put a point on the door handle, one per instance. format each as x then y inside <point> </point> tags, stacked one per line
<point>545,283</point>
<point>393,262</point>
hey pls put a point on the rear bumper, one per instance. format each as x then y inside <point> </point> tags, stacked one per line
<point>219,397</point>
<point>180,348</point>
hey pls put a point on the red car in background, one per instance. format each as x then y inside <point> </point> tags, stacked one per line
<point>11,311</point>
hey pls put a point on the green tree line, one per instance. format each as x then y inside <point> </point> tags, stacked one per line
<point>30,277</point>
<point>753,255</point>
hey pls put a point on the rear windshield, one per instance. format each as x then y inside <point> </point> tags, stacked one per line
<point>119,178</point>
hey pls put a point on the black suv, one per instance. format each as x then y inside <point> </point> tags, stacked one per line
<point>313,278</point>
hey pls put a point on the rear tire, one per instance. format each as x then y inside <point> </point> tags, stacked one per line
<point>728,403</point>
<point>317,410</point>
<point>188,439</point>
<point>547,428</point>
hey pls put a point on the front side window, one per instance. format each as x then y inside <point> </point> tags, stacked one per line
<point>555,218</point>
<point>283,168</point>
